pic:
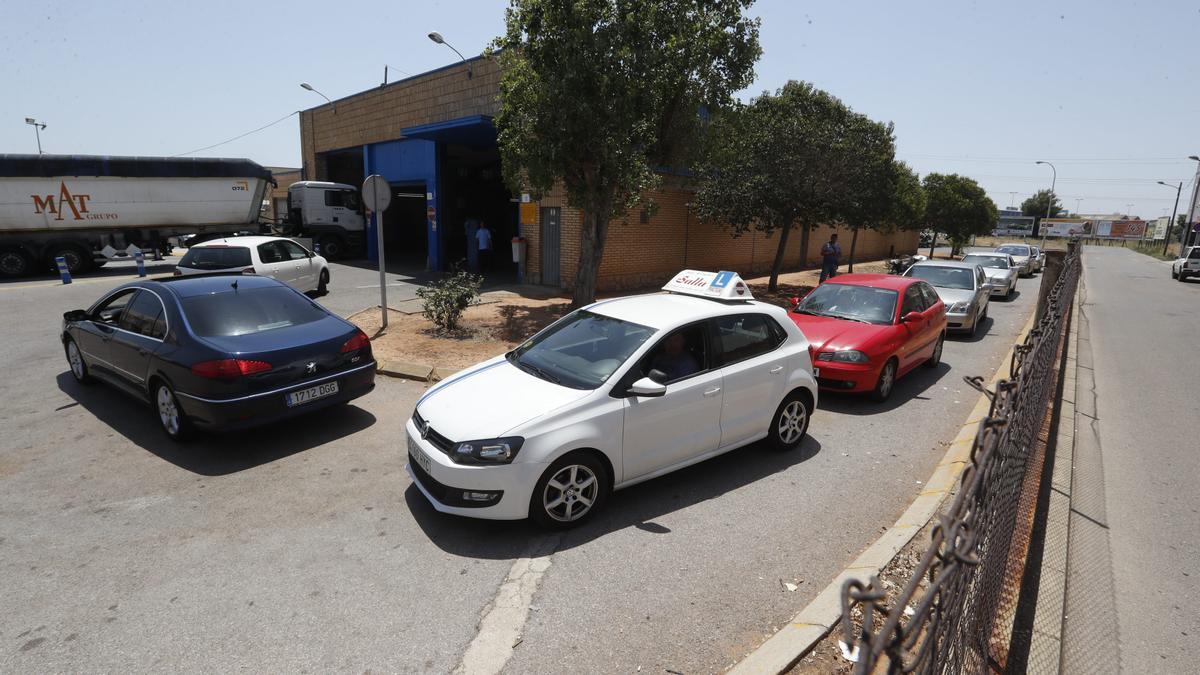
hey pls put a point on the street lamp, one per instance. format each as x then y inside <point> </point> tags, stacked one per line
<point>1078,202</point>
<point>37,131</point>
<point>1171,222</point>
<point>305,85</point>
<point>1185,235</point>
<point>1053,181</point>
<point>437,37</point>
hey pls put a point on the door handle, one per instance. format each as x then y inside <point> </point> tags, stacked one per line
<point>776,370</point>
<point>713,392</point>
<point>142,351</point>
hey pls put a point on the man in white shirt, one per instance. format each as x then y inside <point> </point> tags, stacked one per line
<point>483,237</point>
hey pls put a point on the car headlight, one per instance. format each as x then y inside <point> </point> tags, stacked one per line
<point>845,356</point>
<point>959,307</point>
<point>488,451</point>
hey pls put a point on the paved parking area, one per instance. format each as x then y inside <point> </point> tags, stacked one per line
<point>304,546</point>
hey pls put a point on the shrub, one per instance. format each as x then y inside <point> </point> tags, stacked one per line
<point>447,299</point>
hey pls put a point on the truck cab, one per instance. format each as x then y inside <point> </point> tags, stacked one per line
<point>330,213</point>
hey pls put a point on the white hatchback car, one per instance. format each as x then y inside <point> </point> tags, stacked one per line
<point>615,393</point>
<point>1187,265</point>
<point>277,257</point>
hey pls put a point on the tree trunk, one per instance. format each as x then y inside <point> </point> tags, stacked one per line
<point>932,245</point>
<point>776,266</point>
<point>853,243</point>
<point>591,252</point>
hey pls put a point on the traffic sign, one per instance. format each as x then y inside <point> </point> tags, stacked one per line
<point>376,193</point>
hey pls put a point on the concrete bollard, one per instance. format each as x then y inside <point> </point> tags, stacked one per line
<point>141,262</point>
<point>63,272</point>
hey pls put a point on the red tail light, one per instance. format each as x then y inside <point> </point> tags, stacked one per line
<point>249,270</point>
<point>359,341</point>
<point>227,368</point>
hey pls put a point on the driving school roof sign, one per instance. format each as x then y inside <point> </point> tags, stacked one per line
<point>715,285</point>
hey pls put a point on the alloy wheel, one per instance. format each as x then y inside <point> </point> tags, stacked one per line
<point>886,379</point>
<point>168,412</point>
<point>791,422</point>
<point>75,359</point>
<point>570,493</point>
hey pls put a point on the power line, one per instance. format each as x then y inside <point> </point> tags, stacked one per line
<point>253,131</point>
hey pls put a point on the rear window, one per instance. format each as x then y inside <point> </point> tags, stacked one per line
<point>216,257</point>
<point>249,311</point>
<point>1195,253</point>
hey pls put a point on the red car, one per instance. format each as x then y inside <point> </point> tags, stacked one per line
<point>867,330</point>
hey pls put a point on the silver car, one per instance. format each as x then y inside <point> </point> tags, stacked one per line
<point>1000,269</point>
<point>1038,259</point>
<point>1022,254</point>
<point>963,288</point>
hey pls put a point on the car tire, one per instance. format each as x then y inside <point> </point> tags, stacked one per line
<point>333,247</point>
<point>790,423</point>
<point>886,383</point>
<point>171,417</point>
<point>323,282</point>
<point>573,479</point>
<point>13,263</point>
<point>1011,289</point>
<point>1182,276</point>
<point>936,357</point>
<point>79,369</point>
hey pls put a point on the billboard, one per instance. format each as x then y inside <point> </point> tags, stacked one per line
<point>1120,229</point>
<point>1066,227</point>
<point>1014,226</point>
<point>1160,228</point>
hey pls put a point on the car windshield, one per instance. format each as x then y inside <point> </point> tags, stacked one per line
<point>1013,250</point>
<point>580,351</point>
<point>854,303</point>
<point>944,277</point>
<point>243,312</point>
<point>216,257</point>
<point>993,261</point>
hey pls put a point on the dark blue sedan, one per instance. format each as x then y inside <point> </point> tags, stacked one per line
<point>219,352</point>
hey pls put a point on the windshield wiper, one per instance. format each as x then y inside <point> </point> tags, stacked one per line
<point>810,312</point>
<point>849,318</point>
<point>530,368</point>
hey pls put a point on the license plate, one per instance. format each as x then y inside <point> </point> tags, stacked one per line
<point>419,455</point>
<point>816,372</point>
<point>312,393</point>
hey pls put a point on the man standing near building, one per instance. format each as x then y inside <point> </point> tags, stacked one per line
<point>831,253</point>
<point>483,237</point>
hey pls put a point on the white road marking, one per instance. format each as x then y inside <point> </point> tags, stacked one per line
<point>504,617</point>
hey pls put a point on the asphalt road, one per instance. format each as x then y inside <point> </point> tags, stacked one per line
<point>1143,327</point>
<point>304,546</point>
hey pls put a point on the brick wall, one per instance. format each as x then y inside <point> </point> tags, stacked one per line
<point>378,115</point>
<point>640,255</point>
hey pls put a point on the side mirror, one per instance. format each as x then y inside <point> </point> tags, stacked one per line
<point>75,315</point>
<point>657,375</point>
<point>911,317</point>
<point>648,388</point>
<point>795,302</point>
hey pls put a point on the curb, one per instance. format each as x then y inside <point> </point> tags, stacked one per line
<point>420,372</point>
<point>1045,646</point>
<point>787,646</point>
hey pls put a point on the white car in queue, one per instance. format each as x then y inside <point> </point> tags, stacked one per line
<point>613,394</point>
<point>277,257</point>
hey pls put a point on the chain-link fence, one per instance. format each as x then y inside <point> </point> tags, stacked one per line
<point>954,614</point>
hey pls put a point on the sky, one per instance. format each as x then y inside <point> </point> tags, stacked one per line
<point>1107,91</point>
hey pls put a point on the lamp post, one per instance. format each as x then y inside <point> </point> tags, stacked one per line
<point>309,87</point>
<point>1078,201</point>
<point>1171,222</point>
<point>1185,235</point>
<point>437,38</point>
<point>37,131</point>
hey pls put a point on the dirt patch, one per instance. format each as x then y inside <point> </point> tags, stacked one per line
<point>486,330</point>
<point>798,284</point>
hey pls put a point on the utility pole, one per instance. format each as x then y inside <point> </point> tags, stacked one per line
<point>1185,234</point>
<point>1171,222</point>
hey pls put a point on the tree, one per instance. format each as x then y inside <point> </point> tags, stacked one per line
<point>1036,206</point>
<point>907,206</point>
<point>957,207</point>
<point>871,175</point>
<point>597,94</point>
<point>778,162</point>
